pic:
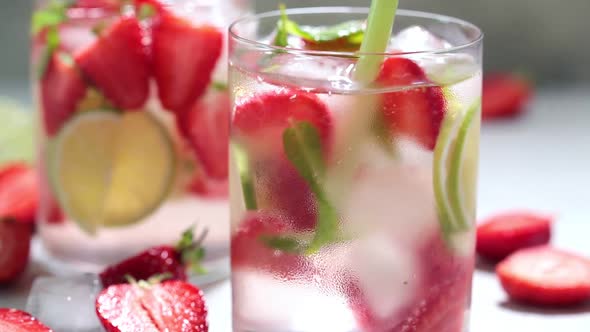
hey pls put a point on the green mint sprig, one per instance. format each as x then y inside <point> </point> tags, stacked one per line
<point>52,16</point>
<point>302,145</point>
<point>352,31</point>
<point>246,178</point>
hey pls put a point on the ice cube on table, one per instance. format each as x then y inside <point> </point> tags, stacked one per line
<point>415,39</point>
<point>66,304</point>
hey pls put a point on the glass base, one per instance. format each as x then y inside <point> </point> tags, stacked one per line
<point>217,269</point>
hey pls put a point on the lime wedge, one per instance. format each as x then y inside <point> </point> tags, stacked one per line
<point>16,135</point>
<point>110,169</point>
<point>455,167</point>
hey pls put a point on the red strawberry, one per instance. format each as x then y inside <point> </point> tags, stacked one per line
<point>62,88</point>
<point>206,127</point>
<point>249,250</point>
<point>259,122</point>
<point>118,64</point>
<point>156,261</point>
<point>184,57</point>
<point>13,320</point>
<point>506,233</point>
<point>19,192</point>
<point>545,276</point>
<point>169,306</point>
<point>418,112</point>
<point>504,95</point>
<point>15,242</point>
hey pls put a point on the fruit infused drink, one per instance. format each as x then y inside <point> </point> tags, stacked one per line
<point>133,110</point>
<point>353,170</point>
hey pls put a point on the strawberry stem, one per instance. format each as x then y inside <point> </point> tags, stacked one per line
<point>376,39</point>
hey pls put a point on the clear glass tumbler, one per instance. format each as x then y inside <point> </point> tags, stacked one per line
<point>353,202</point>
<point>133,109</point>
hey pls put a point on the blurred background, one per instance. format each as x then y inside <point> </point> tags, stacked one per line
<point>545,39</point>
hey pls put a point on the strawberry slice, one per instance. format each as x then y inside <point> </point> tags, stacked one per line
<point>168,306</point>
<point>416,113</point>
<point>157,261</point>
<point>259,122</point>
<point>248,249</point>
<point>118,64</point>
<point>545,276</point>
<point>15,238</point>
<point>62,88</point>
<point>184,57</point>
<point>19,192</point>
<point>501,235</point>
<point>13,320</point>
<point>206,127</point>
<point>504,95</point>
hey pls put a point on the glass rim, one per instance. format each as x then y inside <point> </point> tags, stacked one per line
<point>353,10</point>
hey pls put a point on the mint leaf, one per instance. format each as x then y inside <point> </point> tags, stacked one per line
<point>54,14</point>
<point>51,44</point>
<point>282,37</point>
<point>146,11</point>
<point>303,147</point>
<point>353,31</point>
<point>219,86</point>
<point>282,243</point>
<point>246,178</point>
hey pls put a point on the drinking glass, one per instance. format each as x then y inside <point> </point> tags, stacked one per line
<point>353,201</point>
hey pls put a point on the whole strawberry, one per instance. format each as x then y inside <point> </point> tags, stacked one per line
<point>13,320</point>
<point>146,306</point>
<point>170,260</point>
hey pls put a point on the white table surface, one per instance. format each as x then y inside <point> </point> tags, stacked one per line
<point>540,162</point>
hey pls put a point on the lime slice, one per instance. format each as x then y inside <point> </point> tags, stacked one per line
<point>16,133</point>
<point>110,169</point>
<point>455,167</point>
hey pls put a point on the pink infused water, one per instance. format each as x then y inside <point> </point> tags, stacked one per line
<point>353,205</point>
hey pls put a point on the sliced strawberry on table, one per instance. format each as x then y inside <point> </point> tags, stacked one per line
<point>503,234</point>
<point>416,113</point>
<point>184,57</point>
<point>154,261</point>
<point>19,192</point>
<point>249,250</point>
<point>545,276</point>
<point>118,65</point>
<point>13,320</point>
<point>167,306</point>
<point>62,88</point>
<point>206,127</point>
<point>504,95</point>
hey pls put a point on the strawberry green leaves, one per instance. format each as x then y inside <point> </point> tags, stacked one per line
<point>51,45</point>
<point>351,32</point>
<point>52,16</point>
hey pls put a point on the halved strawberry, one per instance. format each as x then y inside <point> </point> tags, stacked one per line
<point>545,276</point>
<point>504,95</point>
<point>503,234</point>
<point>118,64</point>
<point>13,320</point>
<point>62,88</point>
<point>167,306</point>
<point>248,249</point>
<point>184,57</point>
<point>19,192</point>
<point>15,241</point>
<point>206,127</point>
<point>259,123</point>
<point>417,112</point>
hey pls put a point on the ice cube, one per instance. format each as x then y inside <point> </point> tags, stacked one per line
<point>447,69</point>
<point>66,304</point>
<point>386,272</point>
<point>416,38</point>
